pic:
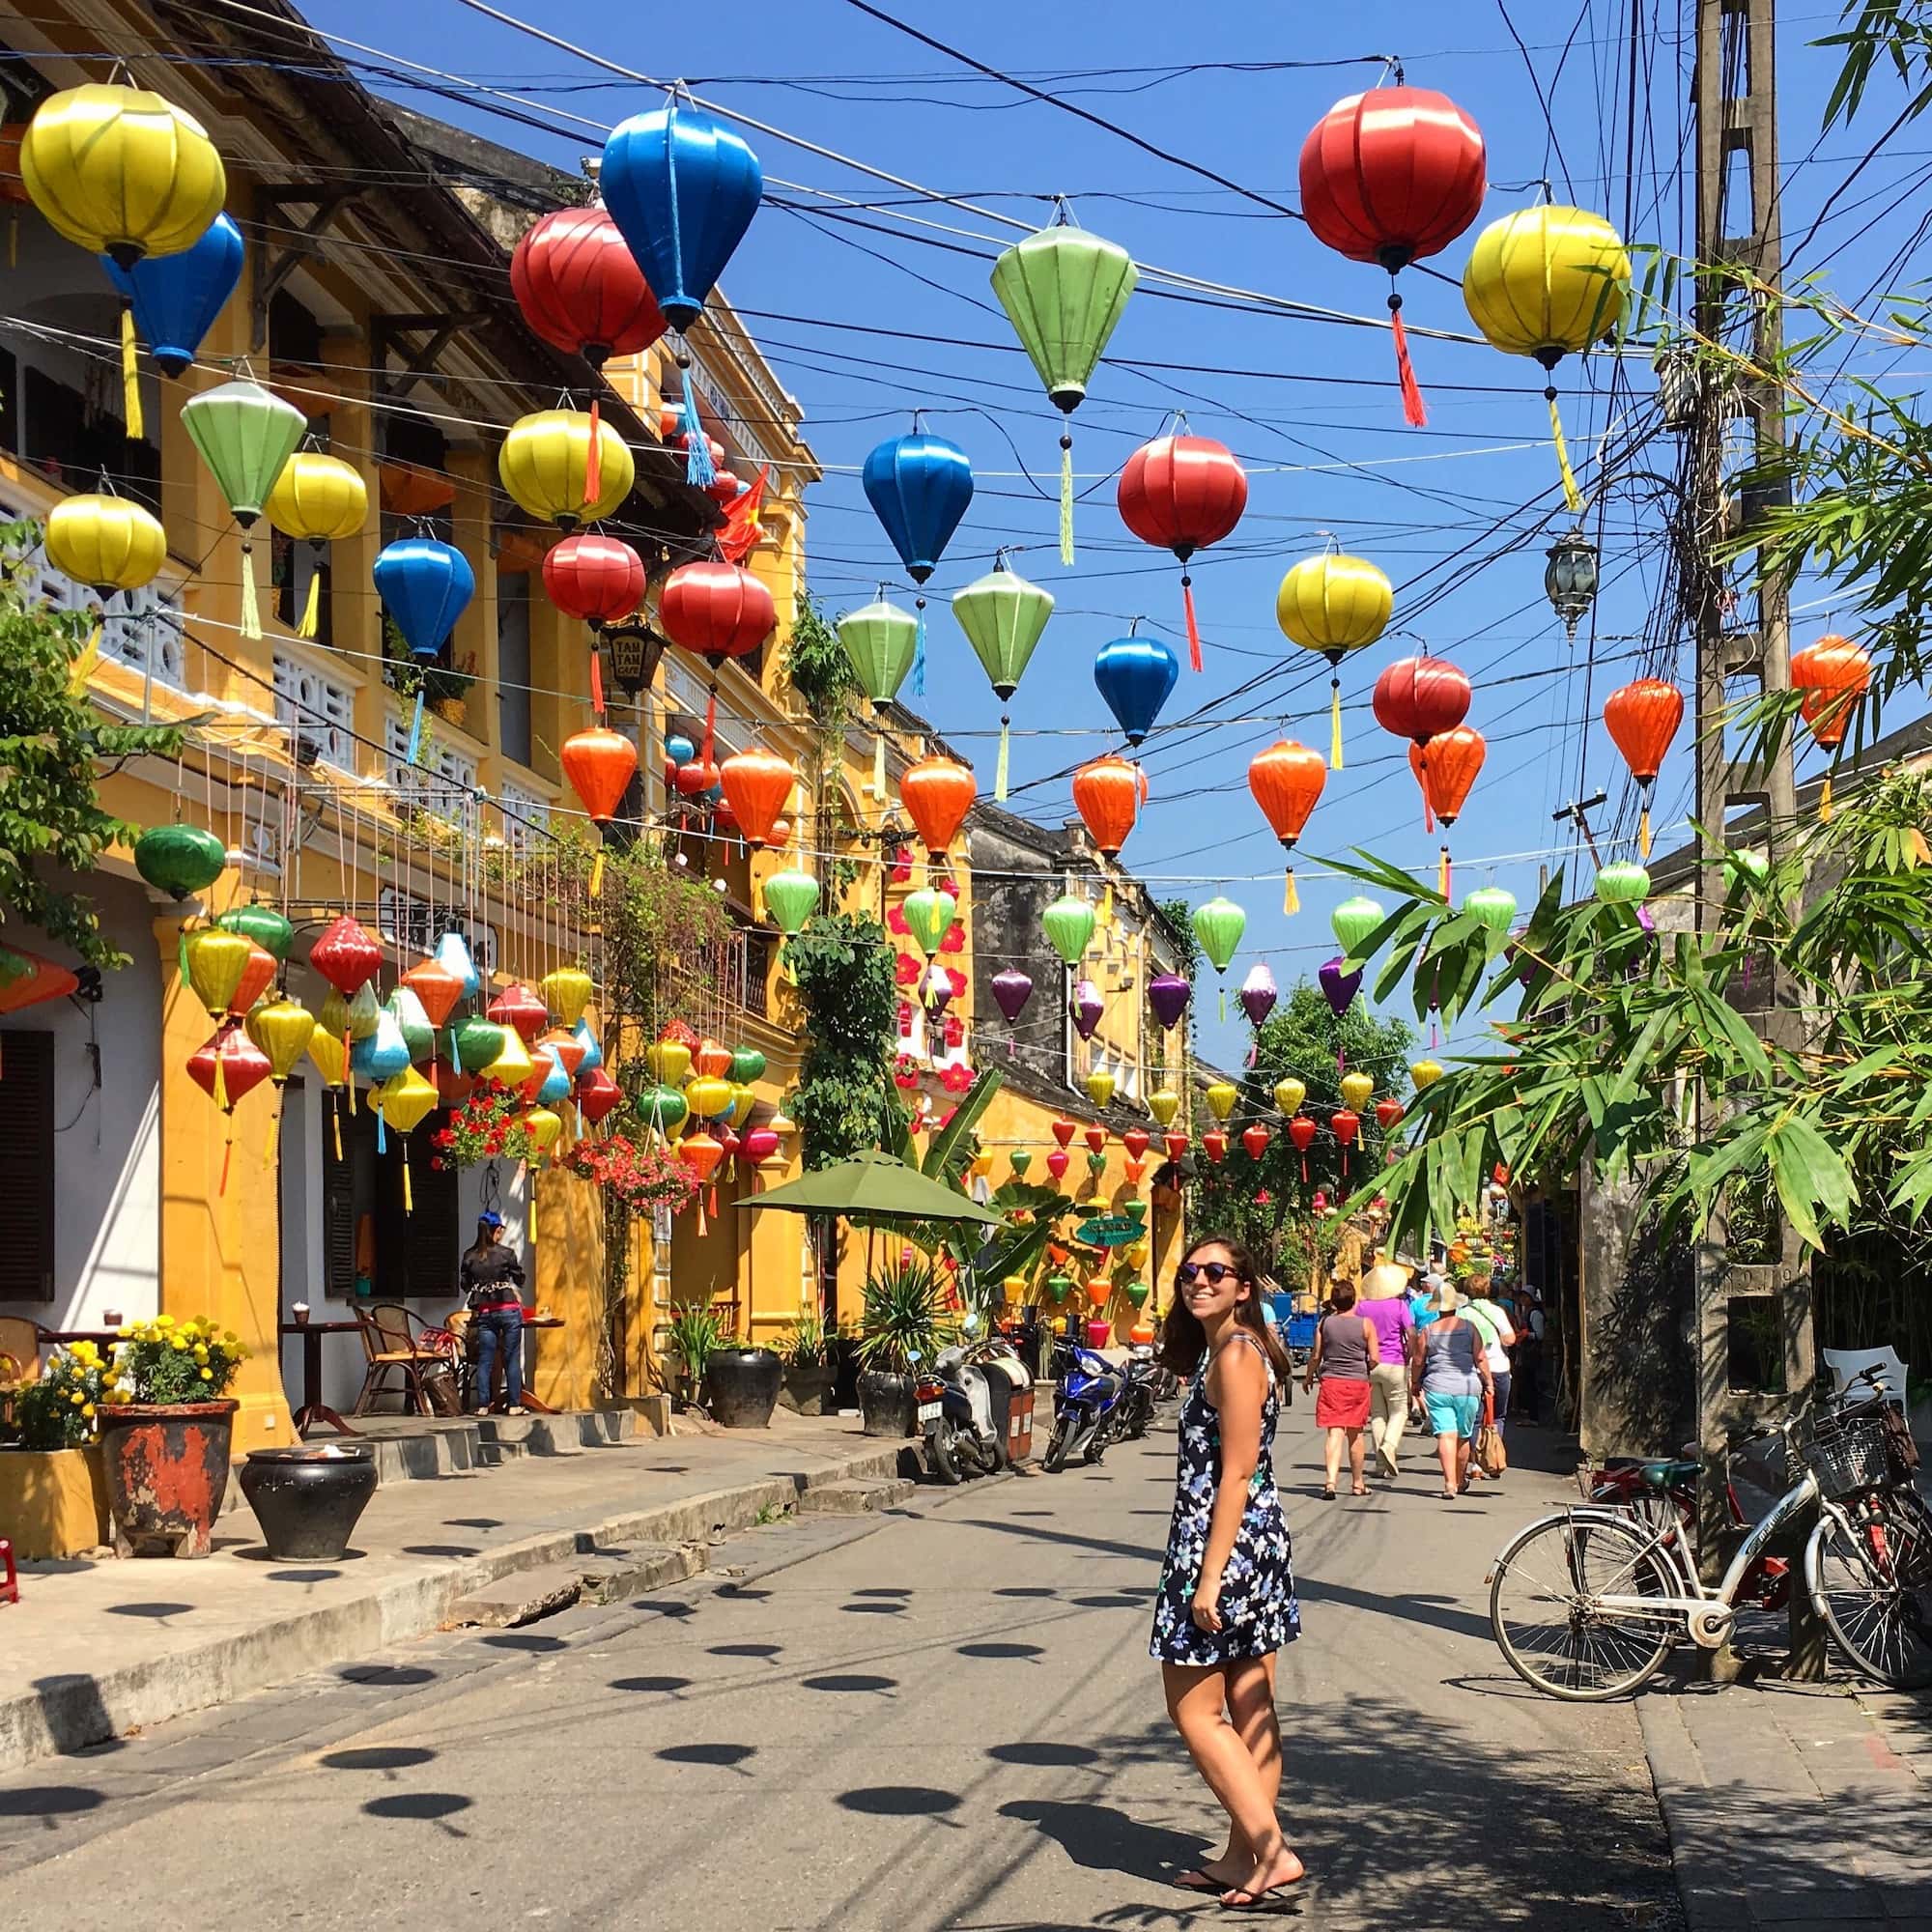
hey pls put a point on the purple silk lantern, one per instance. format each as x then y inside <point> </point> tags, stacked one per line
<point>1011,990</point>
<point>1168,995</point>
<point>1086,1007</point>
<point>1339,988</point>
<point>937,987</point>
<point>1259,993</point>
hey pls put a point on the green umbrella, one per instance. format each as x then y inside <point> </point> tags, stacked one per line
<point>247,435</point>
<point>1003,616</point>
<point>882,640</point>
<point>1063,290</point>
<point>1069,926</point>
<point>876,1186</point>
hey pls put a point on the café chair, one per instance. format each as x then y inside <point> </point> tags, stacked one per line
<point>391,1340</point>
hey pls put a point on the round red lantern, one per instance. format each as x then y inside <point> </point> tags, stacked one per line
<point>695,776</point>
<point>757,784</point>
<point>1642,718</point>
<point>1108,793</point>
<point>1393,176</point>
<point>1419,698</point>
<point>1182,493</point>
<point>581,289</point>
<point>593,578</point>
<point>937,793</point>
<point>1287,780</point>
<point>715,610</point>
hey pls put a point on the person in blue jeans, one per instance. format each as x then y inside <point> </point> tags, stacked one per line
<point>491,1280</point>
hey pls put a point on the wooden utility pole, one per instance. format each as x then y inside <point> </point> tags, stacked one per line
<point>1766,1297</point>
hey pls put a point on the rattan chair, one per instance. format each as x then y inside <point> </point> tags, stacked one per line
<point>389,1334</point>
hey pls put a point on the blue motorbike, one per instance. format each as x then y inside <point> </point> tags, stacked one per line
<point>1087,1402</point>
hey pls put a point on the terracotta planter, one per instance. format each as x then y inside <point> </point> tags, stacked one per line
<point>53,1503</point>
<point>166,1466</point>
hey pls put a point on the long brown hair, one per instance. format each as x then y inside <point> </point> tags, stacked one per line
<point>1184,1340</point>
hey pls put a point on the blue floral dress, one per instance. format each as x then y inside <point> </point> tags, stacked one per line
<point>1258,1613</point>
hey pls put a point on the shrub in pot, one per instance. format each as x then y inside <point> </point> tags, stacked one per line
<point>694,1334</point>
<point>808,1371</point>
<point>165,1422</point>
<point>904,1325</point>
<point>53,1500</point>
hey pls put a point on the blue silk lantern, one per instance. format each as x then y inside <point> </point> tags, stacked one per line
<point>555,1082</point>
<point>176,297</point>
<point>1134,676</point>
<point>919,487</point>
<point>679,748</point>
<point>426,586</point>
<point>682,190</point>
<point>452,955</point>
<point>593,1049</point>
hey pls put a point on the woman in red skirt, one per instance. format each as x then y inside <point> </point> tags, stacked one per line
<point>1344,1347</point>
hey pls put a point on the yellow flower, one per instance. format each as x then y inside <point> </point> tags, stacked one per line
<point>201,1351</point>
<point>207,1375</point>
<point>87,1410</point>
<point>164,1321</point>
<point>229,1336</point>
<point>77,1398</point>
<point>179,1345</point>
<point>126,1331</point>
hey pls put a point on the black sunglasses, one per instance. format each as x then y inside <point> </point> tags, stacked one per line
<point>1217,1272</point>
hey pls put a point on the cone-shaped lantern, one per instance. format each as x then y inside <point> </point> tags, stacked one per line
<point>1168,994</point>
<point>1218,926</point>
<point>245,435</point>
<point>1004,617</point>
<point>1287,780</point>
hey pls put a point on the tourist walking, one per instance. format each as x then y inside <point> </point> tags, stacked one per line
<point>492,1281</point>
<point>1345,1347</point>
<point>1492,1322</point>
<point>1449,1370</point>
<point>1384,1306</point>
<point>1226,1589</point>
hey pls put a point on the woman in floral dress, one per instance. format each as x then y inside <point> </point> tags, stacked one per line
<point>1227,1591</point>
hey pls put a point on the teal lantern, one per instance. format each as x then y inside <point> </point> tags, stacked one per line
<point>1003,616</point>
<point>245,435</point>
<point>928,917</point>
<point>263,924</point>
<point>179,860</point>
<point>881,641</point>
<point>1069,926</point>
<point>1218,926</point>
<point>1622,882</point>
<point>791,897</point>
<point>1494,907</point>
<point>1353,919</point>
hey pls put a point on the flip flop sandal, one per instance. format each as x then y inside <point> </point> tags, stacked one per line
<point>1195,1879</point>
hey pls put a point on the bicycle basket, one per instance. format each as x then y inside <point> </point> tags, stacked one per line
<point>1848,1453</point>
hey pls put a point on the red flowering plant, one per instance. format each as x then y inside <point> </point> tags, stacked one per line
<point>642,1178</point>
<point>484,1127</point>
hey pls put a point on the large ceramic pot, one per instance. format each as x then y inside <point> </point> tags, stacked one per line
<point>741,1386</point>
<point>53,1503</point>
<point>885,1402</point>
<point>806,1389</point>
<point>308,1500</point>
<point>166,1466</point>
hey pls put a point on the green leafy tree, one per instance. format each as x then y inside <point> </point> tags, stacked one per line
<point>845,1100</point>
<point>53,748</point>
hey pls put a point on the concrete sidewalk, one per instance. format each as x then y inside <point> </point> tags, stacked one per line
<point>96,1650</point>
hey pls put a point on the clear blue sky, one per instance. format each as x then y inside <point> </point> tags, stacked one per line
<point>1329,454</point>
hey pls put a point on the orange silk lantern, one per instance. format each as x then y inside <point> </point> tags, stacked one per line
<point>757,784</point>
<point>1136,1169</point>
<point>1287,780</point>
<point>937,794</point>
<point>435,987</point>
<point>258,974</point>
<point>1642,718</point>
<point>1833,674</point>
<point>1108,793</point>
<point>700,1155</point>
<point>600,764</point>
<point>1098,1294</point>
<point>1445,767</point>
<point>713,1060</point>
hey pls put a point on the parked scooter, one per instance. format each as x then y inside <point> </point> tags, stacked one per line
<point>963,1423</point>
<point>1139,1394</point>
<point>1085,1405</point>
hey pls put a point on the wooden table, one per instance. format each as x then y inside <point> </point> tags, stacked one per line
<point>314,1412</point>
<point>104,1338</point>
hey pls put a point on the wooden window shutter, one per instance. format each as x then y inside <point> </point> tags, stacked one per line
<point>339,1203</point>
<point>431,1245</point>
<point>27,1165</point>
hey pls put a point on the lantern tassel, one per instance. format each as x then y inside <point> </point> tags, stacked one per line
<point>409,1198</point>
<point>1335,722</point>
<point>335,1121</point>
<point>1413,412</point>
<point>1570,498</point>
<point>919,649</point>
<point>1193,628</point>
<point>1444,875</point>
<point>221,1080</point>
<point>879,766</point>
<point>1224,1000</point>
<point>1066,500</point>
<point>597,874</point>
<point>274,1135</point>
<point>1825,801</point>
<point>251,615</point>
<point>1290,899</point>
<point>1643,831</point>
<point>697,465</point>
<point>382,1129</point>
<point>710,725</point>
<point>227,1154</point>
<point>1000,770</point>
<point>130,376</point>
<point>593,460</point>
<point>596,678</point>
<point>714,1197</point>
<point>312,616</point>
<point>416,729</point>
<point>700,1217</point>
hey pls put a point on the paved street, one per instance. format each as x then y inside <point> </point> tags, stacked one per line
<point>947,1720</point>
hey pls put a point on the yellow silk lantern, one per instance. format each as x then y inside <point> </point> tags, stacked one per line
<point>547,466</point>
<point>106,541</point>
<point>1333,605</point>
<point>1289,1093</point>
<point>1163,1104</point>
<point>1357,1091</point>
<point>1425,1073</point>
<point>566,993</point>
<point>216,962</point>
<point>331,1057</point>
<point>1221,1099</point>
<point>708,1096</point>
<point>317,499</point>
<point>121,172</point>
<point>513,1065</point>
<point>1099,1086</point>
<point>670,1062</point>
<point>1547,282</point>
<point>283,1029</point>
<point>541,1128</point>
<point>743,1100</point>
<point>403,1101</point>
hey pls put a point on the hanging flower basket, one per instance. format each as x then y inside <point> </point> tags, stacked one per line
<point>642,1178</point>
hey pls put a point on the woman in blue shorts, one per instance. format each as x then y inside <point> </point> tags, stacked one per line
<point>1449,1369</point>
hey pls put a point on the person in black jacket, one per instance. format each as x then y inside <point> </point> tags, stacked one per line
<point>492,1279</point>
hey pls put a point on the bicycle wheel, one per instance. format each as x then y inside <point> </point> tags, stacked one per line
<point>1873,1585</point>
<point>1545,1609</point>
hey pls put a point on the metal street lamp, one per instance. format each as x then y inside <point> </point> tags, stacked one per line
<point>1569,580</point>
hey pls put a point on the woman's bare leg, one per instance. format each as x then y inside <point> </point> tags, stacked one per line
<point>1357,1459</point>
<point>1197,1700</point>
<point>1445,1453</point>
<point>1332,1452</point>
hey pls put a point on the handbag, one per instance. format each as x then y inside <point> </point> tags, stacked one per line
<point>1491,1458</point>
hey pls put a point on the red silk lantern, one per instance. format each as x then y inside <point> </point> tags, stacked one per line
<point>347,955</point>
<point>1345,1126</point>
<point>1446,768</point>
<point>1287,780</point>
<point>724,487</point>
<point>695,776</point>
<point>1096,1138</point>
<point>516,1005</point>
<point>1419,698</point>
<point>1833,674</point>
<point>1057,1162</point>
<point>757,784</point>
<point>937,794</point>
<point>581,289</point>
<point>257,977</point>
<point>1135,1141</point>
<point>1215,1144</point>
<point>1174,1143</point>
<point>227,1068</point>
<point>1182,493</point>
<point>1301,1131</point>
<point>596,580</point>
<point>1065,1130</point>
<point>1393,176</point>
<point>1108,793</point>
<point>597,1093</point>
<point>599,764</point>
<point>715,610</point>
<point>1642,718</point>
<point>1254,1140</point>
<point>33,981</point>
<point>1389,1114</point>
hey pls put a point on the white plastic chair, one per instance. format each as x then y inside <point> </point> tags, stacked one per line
<point>1846,1363</point>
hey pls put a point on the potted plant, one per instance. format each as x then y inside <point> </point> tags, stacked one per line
<point>741,1385</point>
<point>808,1366</point>
<point>165,1421</point>
<point>693,1333</point>
<point>52,1497</point>
<point>905,1322</point>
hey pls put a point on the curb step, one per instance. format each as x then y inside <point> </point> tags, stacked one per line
<point>529,1595</point>
<point>857,1498</point>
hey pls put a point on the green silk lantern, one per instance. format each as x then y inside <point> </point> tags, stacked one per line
<point>413,1023</point>
<point>1218,926</point>
<point>881,641</point>
<point>179,860</point>
<point>245,435</point>
<point>747,1064</point>
<point>1353,919</point>
<point>1623,883</point>
<point>365,1012</point>
<point>1003,616</point>
<point>474,1043</point>
<point>266,927</point>
<point>1137,1293</point>
<point>1493,906</point>
<point>791,897</point>
<point>1063,290</point>
<point>662,1110</point>
<point>1747,865</point>
<point>1097,1164</point>
<point>1069,926</point>
<point>928,917</point>
<point>1020,1159</point>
